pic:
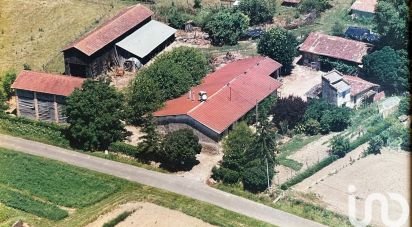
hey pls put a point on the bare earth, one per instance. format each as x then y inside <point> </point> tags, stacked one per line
<point>384,173</point>
<point>148,214</point>
<point>301,80</point>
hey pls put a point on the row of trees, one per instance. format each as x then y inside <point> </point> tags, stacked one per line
<point>249,157</point>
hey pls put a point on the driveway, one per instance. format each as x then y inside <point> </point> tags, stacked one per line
<point>176,184</point>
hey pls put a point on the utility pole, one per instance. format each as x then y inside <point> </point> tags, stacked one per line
<point>257,113</point>
<point>267,171</point>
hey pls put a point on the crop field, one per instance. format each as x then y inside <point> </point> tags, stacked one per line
<point>42,192</point>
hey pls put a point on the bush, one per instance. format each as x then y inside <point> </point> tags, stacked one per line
<point>375,145</point>
<point>259,11</point>
<point>330,117</point>
<point>340,146</point>
<point>25,203</point>
<point>121,217</point>
<point>308,172</point>
<point>255,179</point>
<point>179,150</point>
<point>176,18</point>
<point>291,110</point>
<point>328,64</point>
<point>312,127</point>
<point>404,106</point>
<point>225,175</point>
<point>338,28</point>
<point>124,148</point>
<point>314,5</point>
<point>226,27</point>
<point>6,82</point>
<point>197,4</point>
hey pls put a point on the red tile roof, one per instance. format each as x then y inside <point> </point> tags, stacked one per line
<point>358,85</point>
<point>47,83</point>
<point>335,47</point>
<point>364,5</point>
<point>232,91</point>
<point>111,30</point>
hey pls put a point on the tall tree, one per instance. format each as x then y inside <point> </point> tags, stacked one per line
<point>226,26</point>
<point>389,68</point>
<point>94,113</point>
<point>259,11</point>
<point>290,109</point>
<point>264,144</point>
<point>391,17</point>
<point>280,45</point>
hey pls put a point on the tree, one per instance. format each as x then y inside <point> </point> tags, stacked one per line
<point>226,27</point>
<point>375,145</point>
<point>312,127</point>
<point>280,45</point>
<point>190,59</point>
<point>175,18</point>
<point>389,68</point>
<point>264,144</point>
<point>404,106</point>
<point>150,146</point>
<point>316,6</point>
<point>94,114</point>
<point>259,11</point>
<point>255,178</point>
<point>316,108</point>
<point>391,17</point>
<point>6,82</point>
<point>290,109</point>
<point>143,96</point>
<point>179,150</point>
<point>197,4</point>
<point>340,146</point>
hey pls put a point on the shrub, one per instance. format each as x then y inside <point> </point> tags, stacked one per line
<point>308,172</point>
<point>314,5</point>
<point>197,4</point>
<point>6,83</point>
<point>225,175</point>
<point>179,150</point>
<point>404,106</point>
<point>121,217</point>
<point>375,145</point>
<point>338,28</point>
<point>124,148</point>
<point>259,11</point>
<point>226,27</point>
<point>255,178</point>
<point>328,64</point>
<point>312,127</point>
<point>176,18</point>
<point>340,146</point>
<point>290,109</point>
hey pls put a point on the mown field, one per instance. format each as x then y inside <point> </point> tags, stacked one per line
<point>48,193</point>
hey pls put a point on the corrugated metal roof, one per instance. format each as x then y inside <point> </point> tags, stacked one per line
<point>364,5</point>
<point>341,86</point>
<point>335,47</point>
<point>233,90</point>
<point>333,76</point>
<point>147,38</point>
<point>111,30</point>
<point>47,83</point>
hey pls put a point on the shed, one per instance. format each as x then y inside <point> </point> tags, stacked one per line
<point>363,8</point>
<point>41,96</point>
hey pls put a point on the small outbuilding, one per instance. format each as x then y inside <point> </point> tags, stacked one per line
<point>223,98</point>
<point>363,8</point>
<point>41,96</point>
<point>318,45</point>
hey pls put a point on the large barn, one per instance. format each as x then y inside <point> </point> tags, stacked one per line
<point>223,98</point>
<point>131,35</point>
<point>318,45</point>
<point>41,96</point>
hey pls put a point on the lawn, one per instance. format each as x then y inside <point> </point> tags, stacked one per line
<point>39,191</point>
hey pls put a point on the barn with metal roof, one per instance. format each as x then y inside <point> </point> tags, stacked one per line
<point>132,30</point>
<point>223,98</point>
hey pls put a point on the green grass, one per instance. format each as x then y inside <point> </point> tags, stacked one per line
<point>96,196</point>
<point>293,145</point>
<point>26,203</point>
<point>121,217</point>
<point>246,48</point>
<point>291,205</point>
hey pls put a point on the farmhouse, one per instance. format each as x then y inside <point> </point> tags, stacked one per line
<point>130,36</point>
<point>363,8</point>
<point>41,96</point>
<point>318,45</point>
<point>222,99</point>
<point>344,90</point>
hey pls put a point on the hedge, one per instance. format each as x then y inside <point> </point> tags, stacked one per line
<point>308,172</point>
<point>25,203</point>
<point>121,217</point>
<point>124,148</point>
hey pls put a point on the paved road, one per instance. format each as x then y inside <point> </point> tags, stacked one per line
<point>167,182</point>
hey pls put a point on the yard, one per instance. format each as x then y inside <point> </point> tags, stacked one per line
<point>42,192</point>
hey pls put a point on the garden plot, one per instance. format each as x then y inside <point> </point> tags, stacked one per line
<point>148,214</point>
<point>384,173</point>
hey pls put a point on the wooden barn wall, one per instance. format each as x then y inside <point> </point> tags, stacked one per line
<point>26,104</point>
<point>61,102</point>
<point>46,108</point>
